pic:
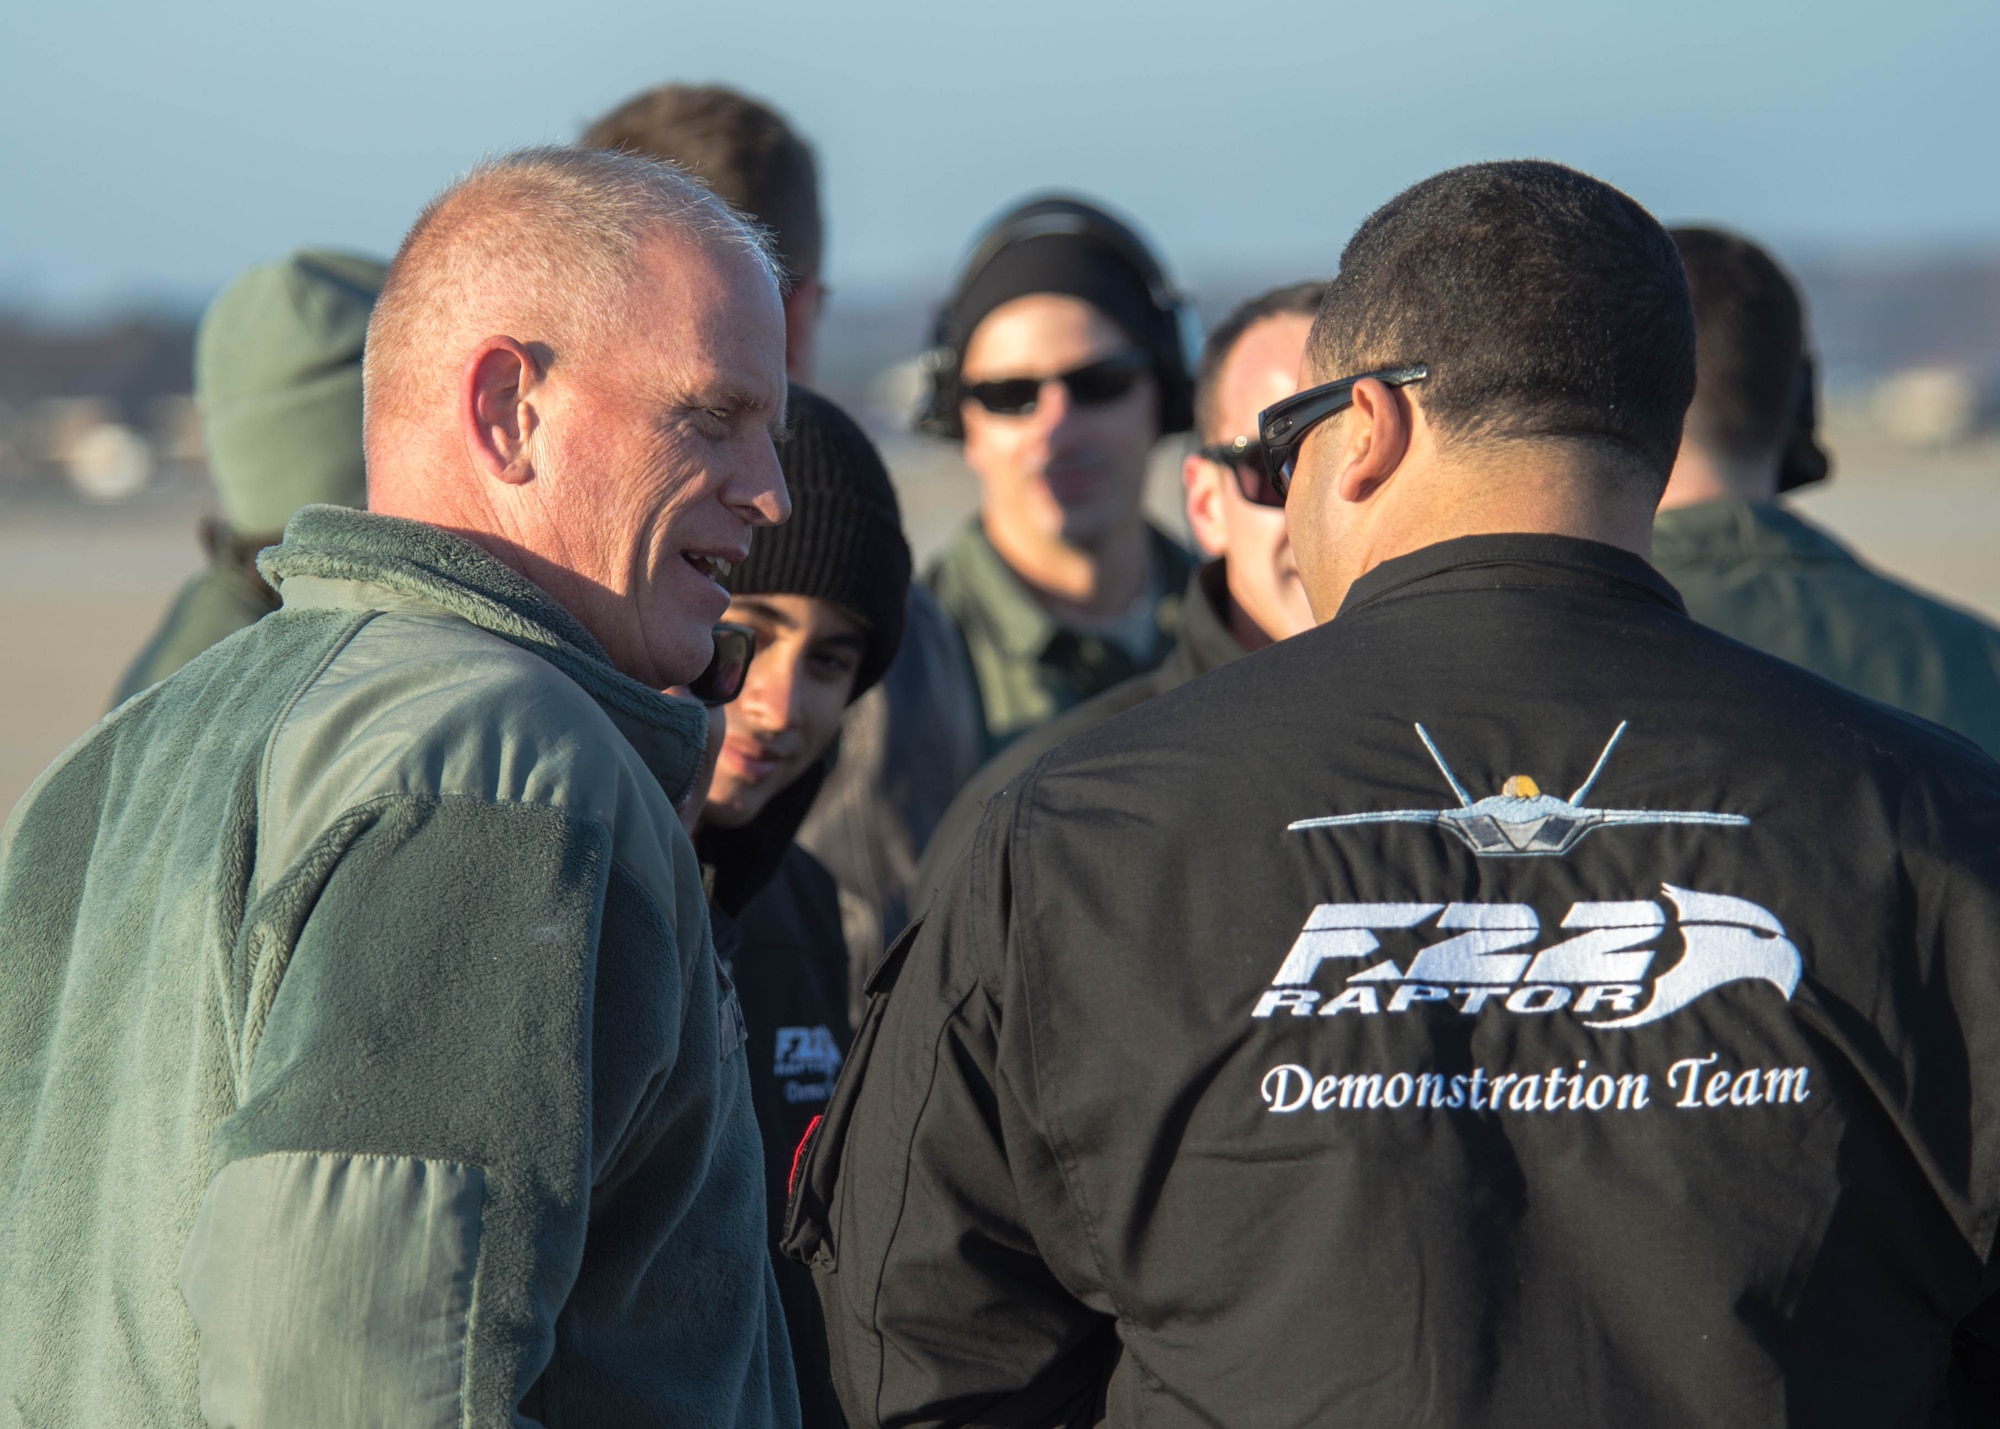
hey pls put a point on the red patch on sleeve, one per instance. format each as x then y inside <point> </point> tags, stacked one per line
<point>799,1156</point>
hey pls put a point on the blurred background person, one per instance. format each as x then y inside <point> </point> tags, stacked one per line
<point>277,373</point>
<point>910,741</point>
<point>825,594</point>
<point>1245,596</point>
<point>1755,569</point>
<point>1059,360</point>
<point>750,157</point>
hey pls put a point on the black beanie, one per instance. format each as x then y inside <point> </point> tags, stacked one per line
<point>844,542</point>
<point>1070,264</point>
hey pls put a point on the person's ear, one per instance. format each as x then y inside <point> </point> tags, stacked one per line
<point>1374,438</point>
<point>802,308</point>
<point>497,411</point>
<point>1207,510</point>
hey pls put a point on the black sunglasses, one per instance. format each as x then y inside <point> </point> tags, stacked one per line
<point>1095,384</point>
<point>1245,457</point>
<point>728,667</point>
<point>1283,425</point>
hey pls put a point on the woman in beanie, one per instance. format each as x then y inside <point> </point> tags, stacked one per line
<point>825,594</point>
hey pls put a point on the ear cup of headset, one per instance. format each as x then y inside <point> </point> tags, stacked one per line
<point>1804,461</point>
<point>1174,344</point>
<point>937,412</point>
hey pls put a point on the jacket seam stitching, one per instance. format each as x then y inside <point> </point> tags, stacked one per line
<point>1058,1138</point>
<point>285,714</point>
<point>257,1008</point>
<point>303,1152</point>
<point>648,1101</point>
<point>903,1198</point>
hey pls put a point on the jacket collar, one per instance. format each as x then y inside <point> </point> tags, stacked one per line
<point>743,860</point>
<point>1730,528</point>
<point>1017,622</point>
<point>1502,561</point>
<point>332,556</point>
<point>1206,641</point>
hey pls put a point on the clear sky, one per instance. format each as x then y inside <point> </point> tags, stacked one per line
<point>151,150</point>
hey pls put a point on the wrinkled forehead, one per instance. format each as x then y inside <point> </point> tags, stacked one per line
<point>706,308</point>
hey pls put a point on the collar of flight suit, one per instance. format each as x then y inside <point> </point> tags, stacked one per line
<point>1511,561</point>
<point>1732,529</point>
<point>333,557</point>
<point>1016,621</point>
<point>1206,641</point>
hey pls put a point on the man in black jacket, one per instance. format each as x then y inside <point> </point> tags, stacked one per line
<point>825,595</point>
<point>1510,1003</point>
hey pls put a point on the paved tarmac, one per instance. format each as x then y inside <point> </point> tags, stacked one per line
<point>82,587</point>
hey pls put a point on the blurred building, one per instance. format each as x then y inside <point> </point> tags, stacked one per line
<point>99,413</point>
<point>1910,347</point>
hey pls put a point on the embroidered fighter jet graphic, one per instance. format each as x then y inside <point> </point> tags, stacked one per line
<point>1521,821</point>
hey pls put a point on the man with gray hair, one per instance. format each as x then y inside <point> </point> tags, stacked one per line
<point>367,1058</point>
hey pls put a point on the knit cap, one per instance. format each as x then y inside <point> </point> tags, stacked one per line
<point>844,543</point>
<point>277,375</point>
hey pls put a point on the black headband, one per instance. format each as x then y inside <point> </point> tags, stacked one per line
<point>1074,265</point>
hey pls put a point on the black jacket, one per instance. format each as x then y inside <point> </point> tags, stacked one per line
<point>1666,1094</point>
<point>775,913</point>
<point>1204,644</point>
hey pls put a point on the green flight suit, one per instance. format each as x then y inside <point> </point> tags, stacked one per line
<point>364,1058</point>
<point>226,596</point>
<point>1206,643</point>
<point>1027,667</point>
<point>1764,576</point>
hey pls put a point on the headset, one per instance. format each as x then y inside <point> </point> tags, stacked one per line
<point>1174,345</point>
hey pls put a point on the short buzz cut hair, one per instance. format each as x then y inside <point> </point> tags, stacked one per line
<point>1294,300</point>
<point>544,243</point>
<point>1547,305</point>
<point>1749,345</point>
<point>741,148</point>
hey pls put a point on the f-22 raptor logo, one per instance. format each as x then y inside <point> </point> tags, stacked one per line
<point>1521,821</point>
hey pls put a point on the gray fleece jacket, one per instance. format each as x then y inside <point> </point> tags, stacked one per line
<point>363,1053</point>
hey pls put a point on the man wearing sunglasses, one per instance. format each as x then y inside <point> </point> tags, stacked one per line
<point>1508,1003</point>
<point>1059,365</point>
<point>1244,598</point>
